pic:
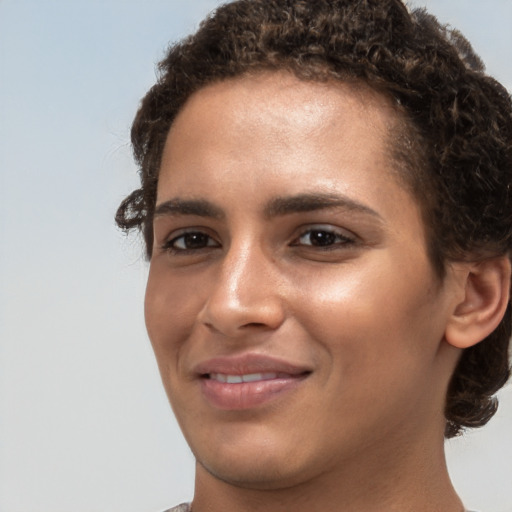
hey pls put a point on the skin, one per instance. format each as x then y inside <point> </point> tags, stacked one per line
<point>365,314</point>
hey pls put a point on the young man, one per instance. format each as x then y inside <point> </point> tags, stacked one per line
<point>326,203</point>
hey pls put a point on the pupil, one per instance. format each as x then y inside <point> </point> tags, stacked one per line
<point>320,238</point>
<point>195,240</point>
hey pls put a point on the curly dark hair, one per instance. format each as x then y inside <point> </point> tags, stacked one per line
<point>454,150</point>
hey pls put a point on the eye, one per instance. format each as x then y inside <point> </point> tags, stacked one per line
<point>190,241</point>
<point>323,237</point>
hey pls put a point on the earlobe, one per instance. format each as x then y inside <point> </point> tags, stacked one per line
<point>485,299</point>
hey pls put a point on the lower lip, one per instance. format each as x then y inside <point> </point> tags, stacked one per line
<point>247,395</point>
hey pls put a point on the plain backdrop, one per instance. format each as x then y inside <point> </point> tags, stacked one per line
<point>84,423</point>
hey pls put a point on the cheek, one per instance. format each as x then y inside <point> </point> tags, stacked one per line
<point>170,308</point>
<point>368,313</point>
<point>379,339</point>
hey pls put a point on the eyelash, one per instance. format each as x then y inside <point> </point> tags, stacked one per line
<point>333,238</point>
<point>170,245</point>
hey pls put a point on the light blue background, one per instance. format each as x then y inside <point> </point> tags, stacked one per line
<point>84,423</point>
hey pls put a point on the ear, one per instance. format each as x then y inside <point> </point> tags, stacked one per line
<point>485,299</point>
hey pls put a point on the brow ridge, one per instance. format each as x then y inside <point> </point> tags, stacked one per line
<point>276,207</point>
<point>199,207</point>
<point>281,206</point>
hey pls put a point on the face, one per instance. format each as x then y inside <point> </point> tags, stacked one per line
<point>294,314</point>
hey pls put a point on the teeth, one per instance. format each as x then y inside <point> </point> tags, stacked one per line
<point>253,377</point>
<point>238,379</point>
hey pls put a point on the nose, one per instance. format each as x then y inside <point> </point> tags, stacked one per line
<point>243,294</point>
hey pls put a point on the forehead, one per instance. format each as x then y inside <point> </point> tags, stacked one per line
<point>278,118</point>
<point>298,101</point>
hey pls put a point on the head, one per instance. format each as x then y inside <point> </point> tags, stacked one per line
<point>451,140</point>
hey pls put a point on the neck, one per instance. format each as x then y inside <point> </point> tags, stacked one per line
<point>415,479</point>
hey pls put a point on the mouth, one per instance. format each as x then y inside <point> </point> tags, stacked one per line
<point>248,382</point>
<point>249,377</point>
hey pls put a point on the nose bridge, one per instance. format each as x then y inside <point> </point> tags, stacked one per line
<point>244,292</point>
<point>245,261</point>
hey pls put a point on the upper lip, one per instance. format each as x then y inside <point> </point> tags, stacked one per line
<point>249,364</point>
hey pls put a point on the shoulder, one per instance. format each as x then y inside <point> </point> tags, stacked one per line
<point>184,507</point>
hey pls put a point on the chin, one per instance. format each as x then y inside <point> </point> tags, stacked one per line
<point>249,474</point>
<point>263,465</point>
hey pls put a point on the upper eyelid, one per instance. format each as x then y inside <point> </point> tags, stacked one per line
<point>299,232</point>
<point>185,233</point>
<point>343,232</point>
<point>172,242</point>
<point>175,234</point>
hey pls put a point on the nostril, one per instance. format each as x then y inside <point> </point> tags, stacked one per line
<point>254,324</point>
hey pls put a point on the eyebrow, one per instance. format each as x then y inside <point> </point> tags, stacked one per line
<point>199,207</point>
<point>277,207</point>
<point>316,201</point>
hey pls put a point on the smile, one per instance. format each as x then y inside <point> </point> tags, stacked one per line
<point>249,381</point>
<point>250,377</point>
<point>230,392</point>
